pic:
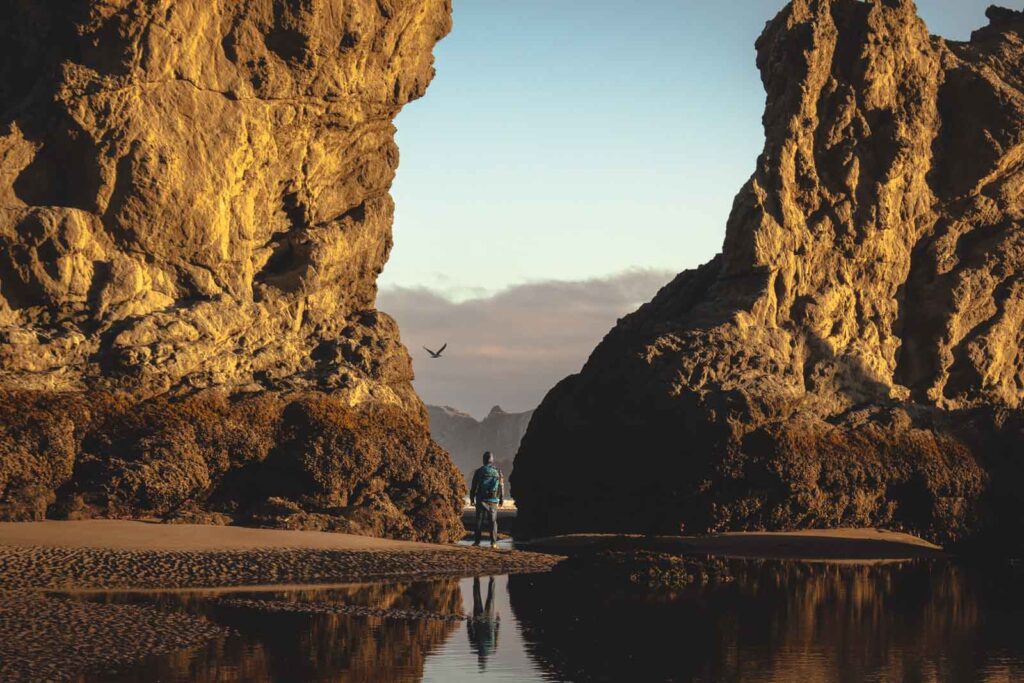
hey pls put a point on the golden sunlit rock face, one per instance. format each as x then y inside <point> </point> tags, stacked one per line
<point>853,356</point>
<point>195,204</point>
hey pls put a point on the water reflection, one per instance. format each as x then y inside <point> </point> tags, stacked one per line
<point>778,621</point>
<point>303,646</point>
<point>482,628</point>
<point>783,621</point>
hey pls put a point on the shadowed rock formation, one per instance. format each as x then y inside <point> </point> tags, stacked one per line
<point>194,209</point>
<point>853,356</point>
<point>466,438</point>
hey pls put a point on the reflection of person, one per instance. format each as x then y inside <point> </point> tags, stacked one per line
<point>483,627</point>
<point>487,493</point>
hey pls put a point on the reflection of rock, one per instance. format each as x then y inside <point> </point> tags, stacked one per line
<point>853,357</point>
<point>337,647</point>
<point>303,647</point>
<point>466,438</point>
<point>642,570</point>
<point>195,198</point>
<point>780,621</point>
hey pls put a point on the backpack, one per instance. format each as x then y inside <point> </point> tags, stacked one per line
<point>490,482</point>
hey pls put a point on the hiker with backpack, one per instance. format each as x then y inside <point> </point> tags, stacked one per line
<point>487,493</point>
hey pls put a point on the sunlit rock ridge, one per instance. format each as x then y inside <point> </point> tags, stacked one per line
<point>854,354</point>
<point>195,208</point>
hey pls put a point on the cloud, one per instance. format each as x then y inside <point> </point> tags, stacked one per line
<point>511,347</point>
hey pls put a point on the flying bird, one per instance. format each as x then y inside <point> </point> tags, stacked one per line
<point>436,354</point>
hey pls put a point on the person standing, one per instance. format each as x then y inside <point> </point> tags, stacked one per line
<point>487,493</point>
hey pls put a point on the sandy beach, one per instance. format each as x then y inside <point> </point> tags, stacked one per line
<point>861,545</point>
<point>118,554</point>
<point>116,534</point>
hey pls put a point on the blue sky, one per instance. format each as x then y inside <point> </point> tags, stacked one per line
<point>569,139</point>
<point>570,157</point>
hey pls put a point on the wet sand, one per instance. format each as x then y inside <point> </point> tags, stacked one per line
<point>116,534</point>
<point>124,554</point>
<point>118,554</point>
<point>44,638</point>
<point>856,545</point>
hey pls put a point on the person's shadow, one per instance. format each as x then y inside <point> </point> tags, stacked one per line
<point>483,627</point>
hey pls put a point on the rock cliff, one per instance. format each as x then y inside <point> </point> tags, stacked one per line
<point>194,208</point>
<point>466,438</point>
<point>854,354</point>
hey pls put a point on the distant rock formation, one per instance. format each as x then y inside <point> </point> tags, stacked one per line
<point>194,208</point>
<point>854,355</point>
<point>466,438</point>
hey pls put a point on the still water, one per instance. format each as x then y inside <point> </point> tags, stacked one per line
<point>778,621</point>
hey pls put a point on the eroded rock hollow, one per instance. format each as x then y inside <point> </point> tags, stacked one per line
<point>853,356</point>
<point>194,208</point>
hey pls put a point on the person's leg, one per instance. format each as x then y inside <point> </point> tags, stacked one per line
<point>494,522</point>
<point>478,602</point>
<point>480,511</point>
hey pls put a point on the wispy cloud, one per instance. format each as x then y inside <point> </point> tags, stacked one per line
<point>509,348</point>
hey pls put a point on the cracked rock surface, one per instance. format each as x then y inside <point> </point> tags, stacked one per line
<point>853,356</point>
<point>194,209</point>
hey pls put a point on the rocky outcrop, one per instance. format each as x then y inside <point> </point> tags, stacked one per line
<point>466,438</point>
<point>853,356</point>
<point>194,208</point>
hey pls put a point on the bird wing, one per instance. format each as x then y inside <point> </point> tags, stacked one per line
<point>432,353</point>
<point>441,350</point>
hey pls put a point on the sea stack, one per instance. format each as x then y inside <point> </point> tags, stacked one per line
<point>853,357</point>
<point>194,209</point>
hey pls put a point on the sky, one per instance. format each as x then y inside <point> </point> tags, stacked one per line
<point>589,142</point>
<point>510,348</point>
